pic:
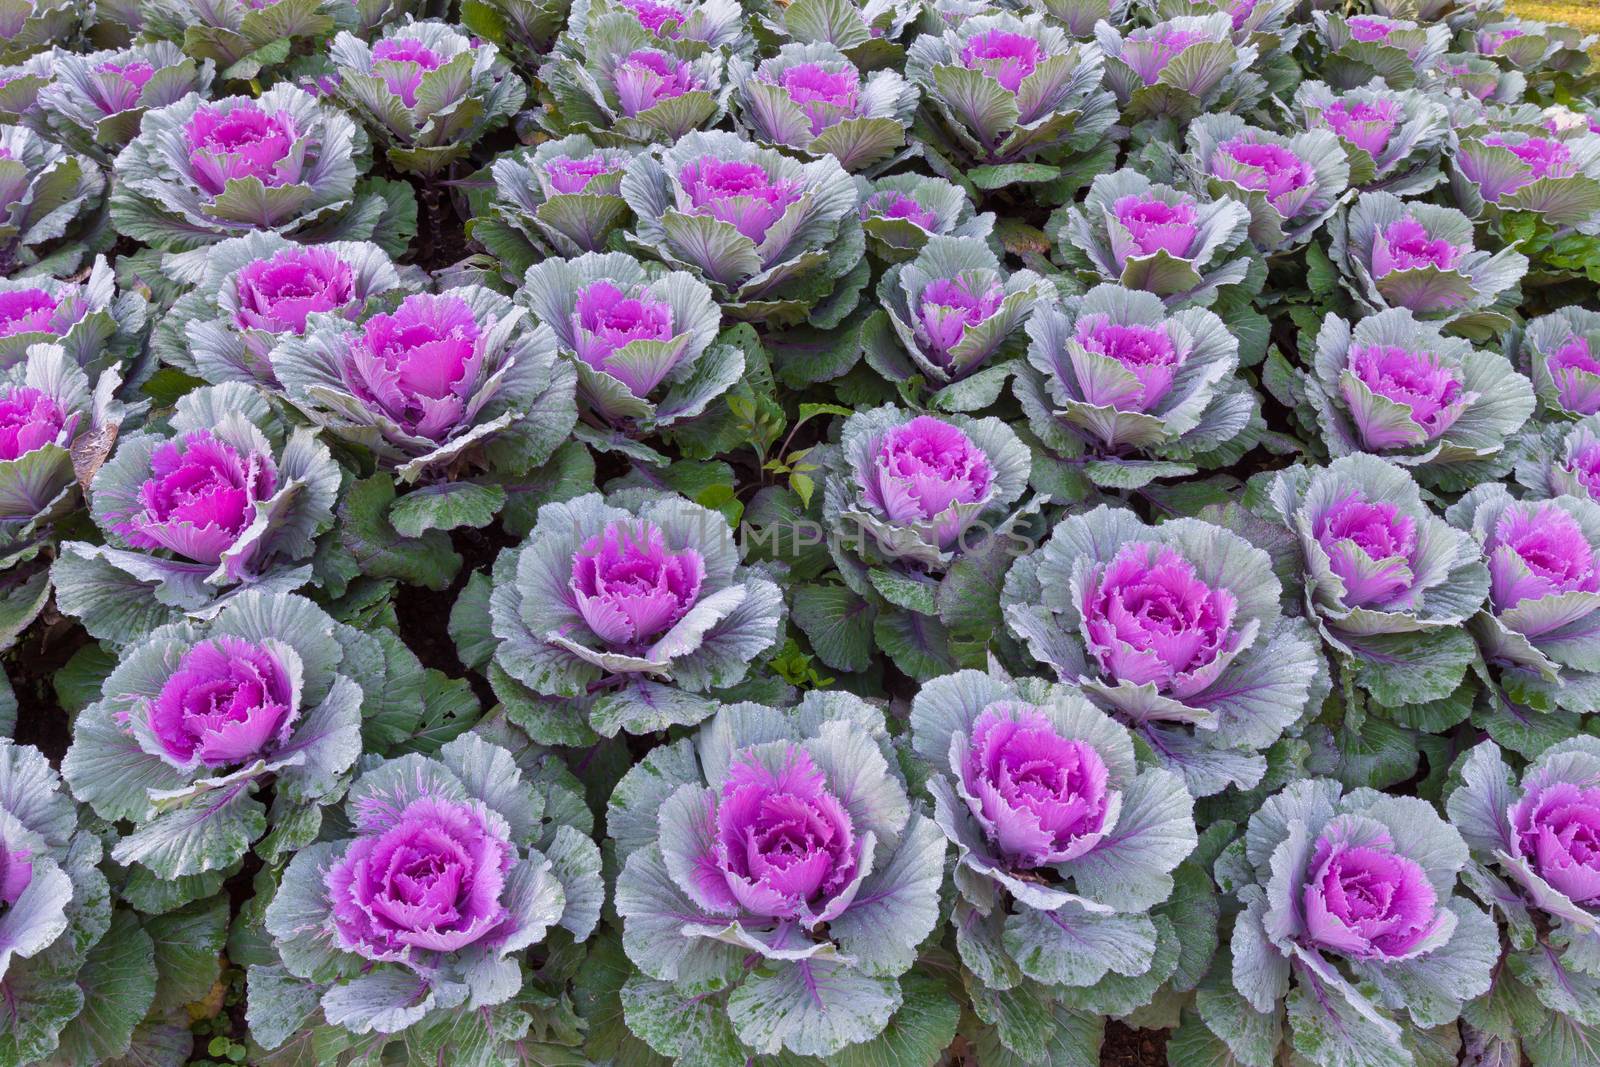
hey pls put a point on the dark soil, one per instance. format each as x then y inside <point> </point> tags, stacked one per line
<point>43,649</point>
<point>1125,1047</point>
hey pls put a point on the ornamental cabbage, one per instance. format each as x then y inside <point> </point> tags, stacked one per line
<point>1009,89</point>
<point>1536,859</point>
<point>1140,235</point>
<point>52,201</point>
<point>443,381</point>
<point>1475,77</point>
<point>899,213</point>
<point>953,318</point>
<point>1526,45</point>
<point>417,922</point>
<point>1561,352</point>
<point>426,91</point>
<point>1392,138</point>
<point>1291,184</point>
<point>20,84</point>
<point>229,498</point>
<point>1537,630</point>
<point>1400,388</point>
<point>1176,630</point>
<point>1423,258</point>
<point>1356,49</point>
<point>1353,937</point>
<point>625,88</point>
<point>258,289</point>
<point>201,171</point>
<point>563,197</point>
<point>241,36</point>
<point>1561,459</point>
<point>1388,583</point>
<point>95,102</point>
<point>1064,843</point>
<point>58,914</point>
<point>812,98</point>
<point>96,326</point>
<point>1497,167</point>
<point>711,204</point>
<point>1079,17</point>
<point>686,28</point>
<point>777,849</point>
<point>1180,68</point>
<point>641,340</point>
<point>631,611</point>
<point>1116,384</point>
<point>196,718</point>
<point>34,26</point>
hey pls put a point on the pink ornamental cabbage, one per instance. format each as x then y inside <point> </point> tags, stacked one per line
<point>1369,29</point>
<point>229,701</point>
<point>1146,352</point>
<point>923,470</point>
<point>947,307</point>
<point>1370,547</point>
<point>430,881</point>
<point>1556,827</point>
<point>629,587</point>
<point>1405,244</point>
<point>1576,373</point>
<point>120,90</point>
<point>739,193</point>
<point>1489,41</point>
<point>16,873</point>
<point>646,77</point>
<point>568,175</point>
<point>1421,381</point>
<point>654,17</point>
<point>606,319</point>
<point>1538,550</point>
<point>1542,157</point>
<point>1008,58</point>
<point>892,204</point>
<point>1149,619</point>
<point>1040,798</point>
<point>1366,901</point>
<point>404,63</point>
<point>1149,53</point>
<point>1367,126</point>
<point>1286,179</point>
<point>1151,225</point>
<point>200,496</point>
<point>276,294</point>
<point>240,139</point>
<point>28,311</point>
<point>784,845</point>
<point>825,96</point>
<point>1583,464</point>
<point>30,419</point>
<point>418,366</point>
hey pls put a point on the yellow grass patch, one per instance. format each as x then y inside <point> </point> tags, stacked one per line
<point>1584,14</point>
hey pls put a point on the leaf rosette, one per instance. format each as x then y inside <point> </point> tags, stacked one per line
<point>641,338</point>
<point>52,205</point>
<point>421,921</point>
<point>196,719</point>
<point>1292,184</point>
<point>426,91</point>
<point>637,605</point>
<point>1424,258</point>
<point>812,98</point>
<point>1499,165</point>
<point>778,241</point>
<point>687,28</point>
<point>1356,49</point>
<point>243,37</point>
<point>201,171</point>
<point>1002,88</point>
<point>226,499</point>
<point>795,940</point>
<point>1561,459</point>
<point>900,212</point>
<point>1475,77</point>
<point>96,326</point>
<point>1561,353</point>
<point>953,318</point>
<point>1530,46</point>
<point>254,291</point>
<point>1177,630</point>
<point>1179,68</point>
<point>1392,137</point>
<point>1398,387</point>
<point>1534,862</point>
<point>1388,583</point>
<point>446,381</point>
<point>1118,385</point>
<point>1066,844</point>
<point>626,88</point>
<point>1335,974</point>
<point>34,26</point>
<point>1183,247</point>
<point>94,102</point>
<point>20,84</point>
